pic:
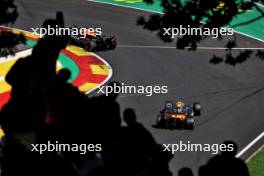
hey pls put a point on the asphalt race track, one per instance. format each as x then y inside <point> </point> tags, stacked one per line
<point>232,97</point>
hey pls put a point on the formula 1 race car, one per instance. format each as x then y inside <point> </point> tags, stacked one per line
<point>93,42</point>
<point>179,116</point>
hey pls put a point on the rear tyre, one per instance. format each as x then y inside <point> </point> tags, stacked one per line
<point>159,121</point>
<point>112,45</point>
<point>111,42</point>
<point>190,123</point>
<point>197,107</point>
<point>90,46</point>
<point>171,124</point>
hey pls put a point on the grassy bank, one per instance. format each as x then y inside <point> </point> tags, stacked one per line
<point>256,164</point>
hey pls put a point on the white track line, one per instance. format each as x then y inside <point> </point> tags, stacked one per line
<point>250,145</point>
<point>260,4</point>
<point>255,153</point>
<point>29,51</point>
<point>173,47</point>
<point>249,36</point>
<point>108,77</point>
<point>153,11</point>
<point>261,135</point>
<point>2,78</point>
<point>126,6</point>
<point>18,55</point>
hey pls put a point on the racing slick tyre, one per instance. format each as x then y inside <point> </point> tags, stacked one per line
<point>112,45</point>
<point>160,121</point>
<point>111,42</point>
<point>174,124</point>
<point>171,124</point>
<point>90,46</point>
<point>197,107</point>
<point>189,123</point>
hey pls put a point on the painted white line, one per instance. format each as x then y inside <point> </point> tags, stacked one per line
<point>247,35</point>
<point>259,4</point>
<point>173,47</point>
<point>2,78</point>
<point>17,29</point>
<point>16,56</point>
<point>153,11</point>
<point>146,46</point>
<point>250,145</point>
<point>126,6</point>
<point>108,77</point>
<point>29,51</point>
<point>262,134</point>
<point>255,153</point>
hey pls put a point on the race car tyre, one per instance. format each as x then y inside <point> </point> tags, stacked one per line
<point>197,107</point>
<point>190,122</point>
<point>160,120</point>
<point>172,124</point>
<point>90,46</point>
<point>111,45</point>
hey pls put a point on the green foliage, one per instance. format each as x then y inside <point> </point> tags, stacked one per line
<point>256,164</point>
<point>8,40</point>
<point>201,14</point>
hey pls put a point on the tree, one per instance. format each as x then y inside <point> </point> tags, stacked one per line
<point>8,15</point>
<point>204,15</point>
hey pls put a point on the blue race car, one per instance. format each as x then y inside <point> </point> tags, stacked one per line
<point>179,115</point>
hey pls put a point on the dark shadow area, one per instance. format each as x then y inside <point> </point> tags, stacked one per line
<point>46,109</point>
<point>201,17</point>
<point>185,172</point>
<point>8,40</point>
<point>224,163</point>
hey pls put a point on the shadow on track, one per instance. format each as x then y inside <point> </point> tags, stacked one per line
<point>193,19</point>
<point>45,111</point>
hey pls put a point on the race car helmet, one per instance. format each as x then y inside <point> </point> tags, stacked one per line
<point>168,105</point>
<point>180,104</point>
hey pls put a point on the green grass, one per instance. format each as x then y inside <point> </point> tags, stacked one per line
<point>256,164</point>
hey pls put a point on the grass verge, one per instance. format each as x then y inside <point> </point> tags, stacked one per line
<point>256,164</point>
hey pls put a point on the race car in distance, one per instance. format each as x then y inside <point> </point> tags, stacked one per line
<point>179,115</point>
<point>93,42</point>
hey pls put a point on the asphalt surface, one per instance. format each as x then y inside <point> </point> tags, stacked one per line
<point>232,97</point>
